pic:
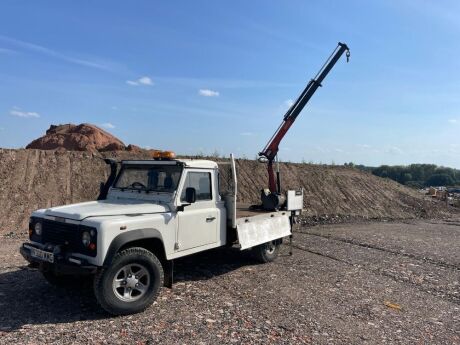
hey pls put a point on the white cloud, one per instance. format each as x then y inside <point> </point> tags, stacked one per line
<point>26,114</point>
<point>321,149</point>
<point>453,121</point>
<point>247,134</point>
<point>394,150</point>
<point>141,81</point>
<point>107,125</point>
<point>7,51</point>
<point>208,93</point>
<point>46,51</point>
<point>145,81</point>
<point>289,103</point>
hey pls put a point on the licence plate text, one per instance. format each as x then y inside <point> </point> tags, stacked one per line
<point>42,255</point>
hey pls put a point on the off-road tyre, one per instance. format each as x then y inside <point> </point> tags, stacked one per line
<point>104,281</point>
<point>267,252</point>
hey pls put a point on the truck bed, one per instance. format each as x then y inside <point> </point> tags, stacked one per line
<point>245,211</point>
<point>253,227</point>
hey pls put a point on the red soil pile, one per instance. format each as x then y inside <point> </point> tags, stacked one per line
<point>83,137</point>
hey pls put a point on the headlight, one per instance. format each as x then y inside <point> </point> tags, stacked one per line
<point>38,228</point>
<point>86,238</point>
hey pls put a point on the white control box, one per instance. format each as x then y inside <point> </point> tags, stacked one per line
<point>295,200</point>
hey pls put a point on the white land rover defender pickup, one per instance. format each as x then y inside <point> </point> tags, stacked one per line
<point>149,213</point>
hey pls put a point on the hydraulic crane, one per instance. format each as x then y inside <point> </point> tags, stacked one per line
<point>273,199</point>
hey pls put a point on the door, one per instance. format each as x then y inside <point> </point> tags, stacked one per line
<point>198,222</point>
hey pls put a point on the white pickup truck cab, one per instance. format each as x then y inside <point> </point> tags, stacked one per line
<point>154,211</point>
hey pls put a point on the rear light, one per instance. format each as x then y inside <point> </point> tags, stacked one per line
<point>92,246</point>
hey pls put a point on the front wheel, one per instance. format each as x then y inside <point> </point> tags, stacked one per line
<point>131,283</point>
<point>267,252</point>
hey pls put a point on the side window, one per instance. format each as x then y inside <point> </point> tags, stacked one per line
<point>201,181</point>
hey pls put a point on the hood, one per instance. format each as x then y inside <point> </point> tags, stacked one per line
<point>84,210</point>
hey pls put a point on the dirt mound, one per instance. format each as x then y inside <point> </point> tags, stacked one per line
<point>33,179</point>
<point>83,137</point>
<point>339,192</point>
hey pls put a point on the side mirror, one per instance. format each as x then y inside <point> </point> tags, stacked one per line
<point>190,195</point>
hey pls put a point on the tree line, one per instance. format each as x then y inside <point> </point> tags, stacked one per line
<point>415,175</point>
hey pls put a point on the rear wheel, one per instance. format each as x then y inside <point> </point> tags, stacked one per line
<point>131,283</point>
<point>267,252</point>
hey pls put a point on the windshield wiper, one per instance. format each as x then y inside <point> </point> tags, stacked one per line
<point>147,190</point>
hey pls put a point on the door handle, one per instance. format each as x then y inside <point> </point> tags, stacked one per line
<point>210,219</point>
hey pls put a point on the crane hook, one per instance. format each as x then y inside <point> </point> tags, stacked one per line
<point>348,55</point>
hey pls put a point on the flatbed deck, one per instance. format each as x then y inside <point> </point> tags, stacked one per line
<point>245,210</point>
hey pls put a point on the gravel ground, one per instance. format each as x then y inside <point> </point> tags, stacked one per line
<point>367,283</point>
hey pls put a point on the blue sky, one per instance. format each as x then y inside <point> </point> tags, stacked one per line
<point>205,76</point>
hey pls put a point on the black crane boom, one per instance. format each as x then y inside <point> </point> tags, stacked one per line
<point>271,149</point>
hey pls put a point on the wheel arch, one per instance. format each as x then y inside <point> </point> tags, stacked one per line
<point>149,239</point>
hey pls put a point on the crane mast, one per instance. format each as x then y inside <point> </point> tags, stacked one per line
<point>270,150</point>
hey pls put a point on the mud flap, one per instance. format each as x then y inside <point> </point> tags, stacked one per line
<point>257,230</point>
<point>168,268</point>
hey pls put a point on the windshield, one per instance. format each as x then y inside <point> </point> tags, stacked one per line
<point>158,178</point>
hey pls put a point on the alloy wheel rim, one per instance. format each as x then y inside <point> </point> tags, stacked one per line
<point>270,248</point>
<point>131,282</point>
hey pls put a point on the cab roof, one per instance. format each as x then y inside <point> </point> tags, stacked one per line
<point>198,163</point>
<point>189,163</point>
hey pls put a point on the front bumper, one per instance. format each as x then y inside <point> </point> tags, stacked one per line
<point>64,263</point>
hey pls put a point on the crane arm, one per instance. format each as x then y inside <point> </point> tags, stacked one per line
<point>271,149</point>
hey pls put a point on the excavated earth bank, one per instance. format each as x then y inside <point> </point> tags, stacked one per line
<point>32,179</point>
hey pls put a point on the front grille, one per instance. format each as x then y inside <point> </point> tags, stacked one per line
<point>66,234</point>
<point>61,233</point>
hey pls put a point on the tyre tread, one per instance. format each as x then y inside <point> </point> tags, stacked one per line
<point>261,255</point>
<point>98,280</point>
